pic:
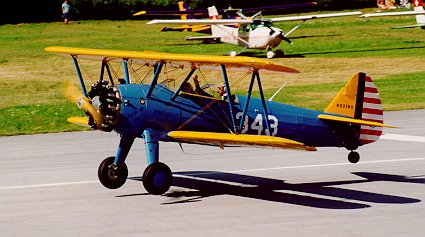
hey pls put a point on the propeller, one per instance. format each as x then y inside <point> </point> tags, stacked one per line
<point>284,37</point>
<point>72,93</point>
<point>281,36</point>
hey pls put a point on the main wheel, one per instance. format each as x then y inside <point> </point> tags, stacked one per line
<point>110,175</point>
<point>353,157</point>
<point>279,53</point>
<point>157,178</point>
<point>270,54</point>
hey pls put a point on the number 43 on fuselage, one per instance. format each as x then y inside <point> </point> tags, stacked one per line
<point>179,109</point>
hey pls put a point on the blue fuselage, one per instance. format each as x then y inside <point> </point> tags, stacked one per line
<point>162,115</point>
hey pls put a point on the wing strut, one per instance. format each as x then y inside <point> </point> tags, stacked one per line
<point>158,68</point>
<point>125,68</point>
<point>255,75</point>
<point>186,79</point>
<point>263,101</point>
<point>80,76</point>
<point>229,99</point>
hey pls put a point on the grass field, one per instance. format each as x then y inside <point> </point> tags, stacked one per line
<point>327,52</point>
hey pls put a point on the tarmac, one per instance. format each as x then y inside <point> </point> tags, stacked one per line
<point>49,187</point>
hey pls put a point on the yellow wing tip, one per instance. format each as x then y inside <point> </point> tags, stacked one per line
<point>82,121</point>
<point>139,13</point>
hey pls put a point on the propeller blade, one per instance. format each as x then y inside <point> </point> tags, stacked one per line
<point>284,38</point>
<point>72,93</point>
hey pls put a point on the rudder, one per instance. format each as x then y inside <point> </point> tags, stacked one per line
<point>359,99</point>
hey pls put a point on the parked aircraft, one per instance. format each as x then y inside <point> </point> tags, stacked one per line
<point>173,107</point>
<point>418,11</point>
<point>249,32</point>
<point>230,13</point>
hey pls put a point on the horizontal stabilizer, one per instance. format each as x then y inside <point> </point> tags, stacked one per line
<point>208,38</point>
<point>82,121</point>
<point>354,121</point>
<point>409,26</point>
<point>223,139</point>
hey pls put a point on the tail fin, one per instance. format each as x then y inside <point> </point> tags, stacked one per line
<point>184,7</point>
<point>418,6</point>
<point>359,99</point>
<point>213,13</point>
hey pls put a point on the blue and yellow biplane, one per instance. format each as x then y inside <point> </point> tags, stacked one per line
<point>159,97</point>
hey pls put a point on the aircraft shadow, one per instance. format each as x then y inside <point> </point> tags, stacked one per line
<point>318,195</point>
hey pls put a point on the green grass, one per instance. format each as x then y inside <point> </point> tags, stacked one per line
<point>31,79</point>
<point>403,91</point>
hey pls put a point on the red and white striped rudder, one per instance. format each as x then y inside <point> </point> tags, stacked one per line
<point>371,111</point>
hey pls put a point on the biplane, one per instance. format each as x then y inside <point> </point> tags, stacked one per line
<point>170,98</point>
<point>418,11</point>
<point>253,32</point>
<point>186,13</point>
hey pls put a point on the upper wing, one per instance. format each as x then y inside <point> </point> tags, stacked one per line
<point>201,21</point>
<point>193,60</point>
<point>405,13</point>
<point>316,16</point>
<point>223,139</point>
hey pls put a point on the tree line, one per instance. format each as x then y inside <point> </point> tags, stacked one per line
<point>26,11</point>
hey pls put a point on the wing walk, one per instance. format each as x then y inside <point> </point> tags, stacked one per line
<point>222,139</point>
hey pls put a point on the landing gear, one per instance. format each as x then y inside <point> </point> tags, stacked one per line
<point>279,53</point>
<point>270,54</point>
<point>353,157</point>
<point>157,178</point>
<point>110,175</point>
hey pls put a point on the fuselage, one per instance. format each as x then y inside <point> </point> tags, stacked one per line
<point>250,36</point>
<point>162,115</point>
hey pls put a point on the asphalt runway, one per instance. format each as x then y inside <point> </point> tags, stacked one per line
<point>49,187</point>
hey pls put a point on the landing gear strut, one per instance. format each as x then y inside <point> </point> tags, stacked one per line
<point>353,157</point>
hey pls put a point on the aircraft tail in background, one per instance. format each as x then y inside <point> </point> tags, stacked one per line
<point>418,11</point>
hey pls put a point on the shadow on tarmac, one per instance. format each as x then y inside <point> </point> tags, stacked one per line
<point>318,195</point>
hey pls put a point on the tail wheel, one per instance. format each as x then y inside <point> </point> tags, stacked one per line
<point>353,157</point>
<point>110,175</point>
<point>157,178</point>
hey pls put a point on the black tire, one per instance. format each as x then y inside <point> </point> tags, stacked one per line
<point>112,178</point>
<point>157,178</point>
<point>353,157</point>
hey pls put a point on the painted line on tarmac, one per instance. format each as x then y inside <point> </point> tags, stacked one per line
<point>400,137</point>
<point>228,171</point>
<point>47,185</point>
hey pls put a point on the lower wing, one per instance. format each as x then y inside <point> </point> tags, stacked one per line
<point>229,139</point>
<point>205,38</point>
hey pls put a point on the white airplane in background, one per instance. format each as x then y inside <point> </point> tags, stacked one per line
<point>248,32</point>
<point>418,10</point>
